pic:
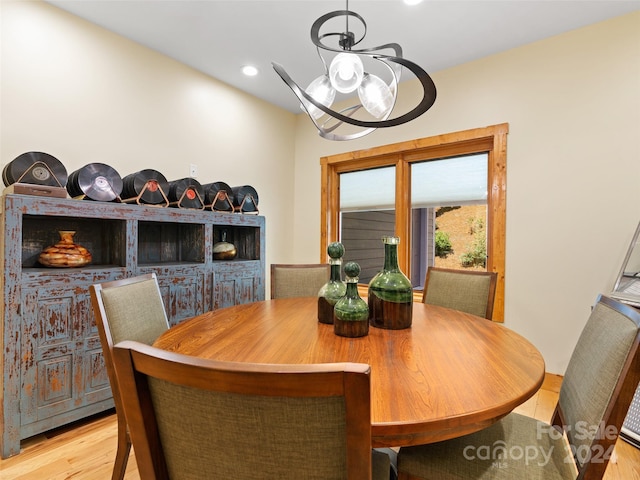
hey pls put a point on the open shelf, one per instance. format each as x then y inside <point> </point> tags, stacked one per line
<point>167,242</point>
<point>104,238</point>
<point>245,239</point>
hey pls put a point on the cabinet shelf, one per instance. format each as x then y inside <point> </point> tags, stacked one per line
<point>68,273</point>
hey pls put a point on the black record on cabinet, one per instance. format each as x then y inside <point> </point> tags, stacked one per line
<point>186,192</point>
<point>219,195</point>
<point>95,181</point>
<point>37,168</point>
<point>148,184</point>
<point>245,197</point>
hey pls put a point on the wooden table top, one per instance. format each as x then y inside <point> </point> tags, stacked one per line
<point>448,375</point>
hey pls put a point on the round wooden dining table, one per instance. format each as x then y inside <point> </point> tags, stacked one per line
<point>448,375</point>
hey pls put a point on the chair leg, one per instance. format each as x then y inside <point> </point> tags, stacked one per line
<point>122,452</point>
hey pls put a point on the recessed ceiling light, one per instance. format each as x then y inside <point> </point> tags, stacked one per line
<point>412,2</point>
<point>250,70</point>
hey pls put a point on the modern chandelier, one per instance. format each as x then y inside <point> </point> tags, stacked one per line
<point>358,71</point>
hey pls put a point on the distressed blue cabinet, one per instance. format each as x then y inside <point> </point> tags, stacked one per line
<point>52,367</point>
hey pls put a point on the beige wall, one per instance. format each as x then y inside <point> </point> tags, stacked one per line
<point>85,95</point>
<point>573,170</point>
<point>572,102</point>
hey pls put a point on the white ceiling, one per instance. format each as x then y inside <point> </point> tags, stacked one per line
<point>218,37</point>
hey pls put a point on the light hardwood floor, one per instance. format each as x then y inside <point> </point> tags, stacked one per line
<point>86,450</point>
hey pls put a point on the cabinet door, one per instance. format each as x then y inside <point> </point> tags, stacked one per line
<point>183,294</point>
<point>96,386</point>
<point>63,366</point>
<point>237,283</point>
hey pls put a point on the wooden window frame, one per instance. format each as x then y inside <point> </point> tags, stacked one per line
<point>491,140</point>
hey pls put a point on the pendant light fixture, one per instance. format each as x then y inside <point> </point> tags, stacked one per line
<point>356,72</point>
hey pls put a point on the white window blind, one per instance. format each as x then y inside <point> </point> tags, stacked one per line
<point>367,190</point>
<point>446,182</point>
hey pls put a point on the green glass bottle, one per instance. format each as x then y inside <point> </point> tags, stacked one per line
<point>351,313</point>
<point>335,288</point>
<point>390,292</point>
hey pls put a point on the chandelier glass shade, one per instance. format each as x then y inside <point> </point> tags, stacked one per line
<point>346,72</point>
<point>321,91</point>
<point>376,96</point>
<point>351,73</point>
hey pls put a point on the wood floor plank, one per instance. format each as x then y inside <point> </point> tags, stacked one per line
<point>85,451</point>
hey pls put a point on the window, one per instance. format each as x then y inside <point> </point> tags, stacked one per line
<point>399,189</point>
<point>367,213</point>
<point>448,214</point>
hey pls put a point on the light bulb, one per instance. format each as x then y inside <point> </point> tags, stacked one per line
<point>375,95</point>
<point>322,92</point>
<point>346,72</point>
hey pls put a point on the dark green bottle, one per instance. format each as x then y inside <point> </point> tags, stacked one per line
<point>390,292</point>
<point>335,288</point>
<point>351,313</point>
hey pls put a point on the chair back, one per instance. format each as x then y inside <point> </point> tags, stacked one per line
<point>469,291</point>
<point>298,280</point>
<point>127,309</point>
<point>599,384</point>
<point>202,419</point>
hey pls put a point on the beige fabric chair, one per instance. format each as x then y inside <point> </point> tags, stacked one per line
<point>204,419</point>
<point>298,280</point>
<point>602,376</point>
<point>129,309</point>
<point>468,291</point>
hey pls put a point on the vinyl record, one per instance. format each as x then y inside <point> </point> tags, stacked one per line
<point>222,202</point>
<point>36,168</point>
<point>96,181</point>
<point>186,192</point>
<point>156,183</point>
<point>245,197</point>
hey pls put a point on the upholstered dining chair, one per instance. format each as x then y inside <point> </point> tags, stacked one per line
<point>128,309</point>
<point>298,280</point>
<point>469,291</point>
<point>599,383</point>
<point>205,419</point>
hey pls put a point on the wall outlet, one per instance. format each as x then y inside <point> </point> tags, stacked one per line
<point>193,170</point>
